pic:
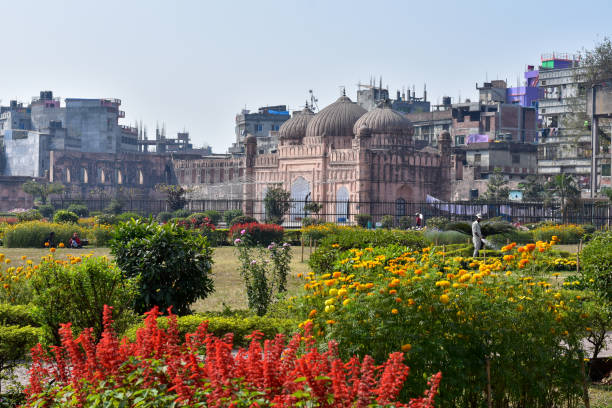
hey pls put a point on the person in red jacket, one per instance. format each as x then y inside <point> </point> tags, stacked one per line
<point>75,242</point>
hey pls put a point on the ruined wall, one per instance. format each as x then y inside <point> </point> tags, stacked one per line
<point>94,174</point>
<point>11,194</point>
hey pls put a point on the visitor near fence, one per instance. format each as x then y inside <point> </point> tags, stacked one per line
<point>477,235</point>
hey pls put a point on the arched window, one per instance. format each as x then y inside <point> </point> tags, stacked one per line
<point>342,204</point>
<point>84,177</point>
<point>400,207</point>
<point>67,175</point>
<point>119,177</point>
<point>140,177</point>
<point>300,193</point>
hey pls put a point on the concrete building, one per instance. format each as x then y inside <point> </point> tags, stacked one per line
<point>475,122</point>
<point>428,126</point>
<point>565,143</point>
<point>369,96</point>
<point>263,124</point>
<point>475,162</point>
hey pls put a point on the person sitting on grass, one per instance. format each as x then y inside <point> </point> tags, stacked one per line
<point>50,241</point>
<point>75,242</point>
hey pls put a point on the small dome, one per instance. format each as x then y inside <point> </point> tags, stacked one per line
<point>336,119</point>
<point>295,128</point>
<point>383,119</point>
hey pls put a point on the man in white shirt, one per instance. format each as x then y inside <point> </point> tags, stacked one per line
<point>477,234</point>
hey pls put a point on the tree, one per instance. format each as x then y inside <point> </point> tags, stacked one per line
<point>42,189</point>
<point>564,187</point>
<point>607,191</point>
<point>597,63</point>
<point>175,196</point>
<point>497,189</point>
<point>277,203</point>
<point>533,189</point>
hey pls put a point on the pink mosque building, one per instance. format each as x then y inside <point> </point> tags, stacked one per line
<point>344,157</point>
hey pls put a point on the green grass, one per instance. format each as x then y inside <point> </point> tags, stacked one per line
<point>229,287</point>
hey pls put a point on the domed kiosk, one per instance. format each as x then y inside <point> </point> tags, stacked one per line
<point>293,130</point>
<point>336,120</point>
<point>387,126</point>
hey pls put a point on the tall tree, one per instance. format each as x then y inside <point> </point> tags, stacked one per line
<point>597,63</point>
<point>42,189</point>
<point>564,187</point>
<point>277,202</point>
<point>497,189</point>
<point>175,196</point>
<point>533,189</point>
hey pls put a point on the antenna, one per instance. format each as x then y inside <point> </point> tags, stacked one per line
<point>313,101</point>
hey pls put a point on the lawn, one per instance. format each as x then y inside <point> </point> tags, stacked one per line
<point>229,288</point>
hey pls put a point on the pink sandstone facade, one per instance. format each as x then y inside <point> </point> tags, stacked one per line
<point>343,157</point>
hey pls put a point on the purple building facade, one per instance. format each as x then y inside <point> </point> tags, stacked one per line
<point>526,95</point>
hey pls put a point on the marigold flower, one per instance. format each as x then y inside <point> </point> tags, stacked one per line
<point>394,311</point>
<point>61,245</point>
<point>52,249</point>
<point>444,298</point>
<point>406,347</point>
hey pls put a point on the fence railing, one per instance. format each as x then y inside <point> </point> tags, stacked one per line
<point>344,212</point>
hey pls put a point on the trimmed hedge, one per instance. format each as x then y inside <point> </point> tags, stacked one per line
<point>361,238</point>
<point>34,233</point>
<point>221,325</point>
<point>65,217</point>
<point>21,315</point>
<point>446,237</point>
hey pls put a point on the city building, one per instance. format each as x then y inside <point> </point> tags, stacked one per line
<point>263,124</point>
<point>428,126</point>
<point>475,162</point>
<point>369,96</point>
<point>565,143</point>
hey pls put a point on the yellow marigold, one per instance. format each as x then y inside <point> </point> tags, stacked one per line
<point>443,283</point>
<point>61,245</point>
<point>333,292</point>
<point>394,311</point>
<point>337,274</point>
<point>331,322</point>
<point>52,250</point>
<point>508,258</point>
<point>335,246</point>
<point>444,298</point>
<point>312,313</point>
<point>406,347</point>
<point>23,257</point>
<point>342,292</point>
<point>346,302</point>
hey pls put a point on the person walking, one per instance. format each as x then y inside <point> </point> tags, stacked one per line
<point>477,235</point>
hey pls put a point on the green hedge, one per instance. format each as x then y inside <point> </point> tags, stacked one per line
<point>221,325</point>
<point>33,234</point>
<point>361,238</point>
<point>21,315</point>
<point>446,237</point>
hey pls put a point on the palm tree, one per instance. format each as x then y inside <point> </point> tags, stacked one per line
<point>565,188</point>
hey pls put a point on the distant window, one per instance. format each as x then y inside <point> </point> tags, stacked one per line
<point>477,158</point>
<point>605,169</point>
<point>516,158</point>
<point>459,139</point>
<point>259,127</point>
<point>400,207</point>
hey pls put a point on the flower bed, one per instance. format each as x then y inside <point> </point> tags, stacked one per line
<point>157,370</point>
<point>459,315</point>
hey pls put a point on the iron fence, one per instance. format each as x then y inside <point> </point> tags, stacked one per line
<point>401,212</point>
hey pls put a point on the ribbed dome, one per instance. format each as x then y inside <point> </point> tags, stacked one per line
<point>384,120</point>
<point>335,120</point>
<point>295,128</point>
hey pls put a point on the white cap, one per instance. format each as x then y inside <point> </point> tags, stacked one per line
<point>479,215</point>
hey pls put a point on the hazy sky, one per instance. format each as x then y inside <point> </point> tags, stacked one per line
<point>195,64</point>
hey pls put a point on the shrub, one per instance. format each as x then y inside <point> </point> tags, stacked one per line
<point>460,315</point>
<point>156,371</point>
<point>276,202</point>
<point>308,221</point>
<point>33,234</point>
<point>30,215</point>
<point>363,220</point>
<point>567,233</point>
<point>126,216</point>
<point>79,209</point>
<point>20,315</point>
<point>405,222</point>
<point>495,227</point>
<point>520,237</point>
<point>446,237</point>
<point>106,219</point>
<point>63,216</point>
<point>15,344</point>
<point>172,264</point>
<point>387,221</point>
<point>257,234</point>
<point>229,215</point>
<point>459,226</point>
<point>181,213</point>
<point>102,234</point>
<point>437,222</point>
<point>347,238</point>
<point>46,210</point>
<point>164,216</point>
<point>213,216</point>
<point>596,260</point>
<point>242,219</point>
<point>293,236</point>
<point>77,292</point>
<point>114,207</point>
<point>264,272</point>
